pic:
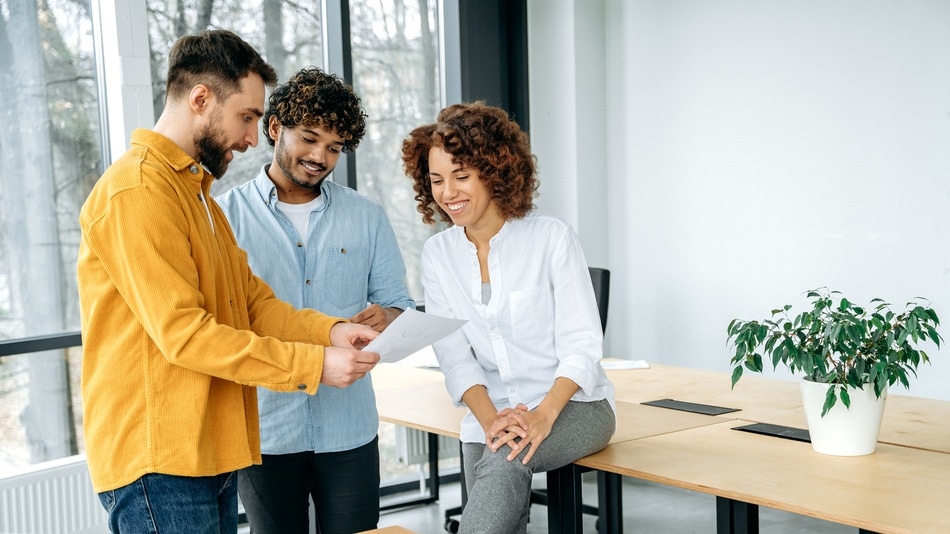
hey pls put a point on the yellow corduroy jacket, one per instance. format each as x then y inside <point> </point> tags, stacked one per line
<point>177,330</point>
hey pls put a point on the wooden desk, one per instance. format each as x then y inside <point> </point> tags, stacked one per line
<point>908,421</point>
<point>388,530</point>
<point>388,376</point>
<point>429,408</point>
<point>416,398</point>
<point>426,407</point>
<point>895,490</point>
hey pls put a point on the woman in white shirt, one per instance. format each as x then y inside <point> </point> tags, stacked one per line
<point>527,362</point>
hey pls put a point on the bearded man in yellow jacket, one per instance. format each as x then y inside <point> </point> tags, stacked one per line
<point>177,330</point>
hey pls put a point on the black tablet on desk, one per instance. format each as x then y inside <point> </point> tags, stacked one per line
<point>705,409</point>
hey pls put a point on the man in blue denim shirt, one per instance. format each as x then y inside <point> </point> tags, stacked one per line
<point>324,246</point>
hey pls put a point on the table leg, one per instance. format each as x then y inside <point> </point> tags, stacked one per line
<point>564,501</point>
<point>433,465</point>
<point>609,503</point>
<point>736,517</point>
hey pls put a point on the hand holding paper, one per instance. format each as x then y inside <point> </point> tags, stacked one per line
<point>410,332</point>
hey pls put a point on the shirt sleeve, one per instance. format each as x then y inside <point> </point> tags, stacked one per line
<point>454,352</point>
<point>387,275</point>
<point>578,333</point>
<point>146,245</point>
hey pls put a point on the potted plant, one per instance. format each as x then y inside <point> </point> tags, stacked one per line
<point>850,354</point>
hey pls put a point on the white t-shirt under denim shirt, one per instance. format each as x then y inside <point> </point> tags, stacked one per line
<point>541,320</point>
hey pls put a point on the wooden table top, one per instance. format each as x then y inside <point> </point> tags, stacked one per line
<point>895,490</point>
<point>394,376</point>
<point>425,406</point>
<point>908,421</point>
<point>389,530</point>
<point>410,397</point>
<point>898,489</point>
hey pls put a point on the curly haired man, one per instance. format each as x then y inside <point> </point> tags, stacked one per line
<point>324,246</point>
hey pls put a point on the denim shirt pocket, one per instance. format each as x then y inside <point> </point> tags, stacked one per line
<point>347,273</point>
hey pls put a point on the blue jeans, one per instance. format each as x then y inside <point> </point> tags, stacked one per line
<point>169,504</point>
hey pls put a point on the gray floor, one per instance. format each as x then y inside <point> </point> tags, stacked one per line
<point>647,508</point>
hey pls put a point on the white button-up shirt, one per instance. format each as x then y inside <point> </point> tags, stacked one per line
<point>540,323</point>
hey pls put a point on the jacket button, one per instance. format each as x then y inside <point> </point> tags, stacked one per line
<point>302,387</point>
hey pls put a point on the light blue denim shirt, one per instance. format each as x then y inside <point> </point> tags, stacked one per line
<point>351,258</point>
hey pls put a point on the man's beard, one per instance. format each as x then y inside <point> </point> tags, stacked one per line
<point>285,162</point>
<point>211,153</point>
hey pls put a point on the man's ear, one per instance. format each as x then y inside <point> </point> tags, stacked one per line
<point>200,98</point>
<point>274,127</point>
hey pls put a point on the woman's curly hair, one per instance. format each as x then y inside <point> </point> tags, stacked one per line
<point>313,97</point>
<point>483,138</point>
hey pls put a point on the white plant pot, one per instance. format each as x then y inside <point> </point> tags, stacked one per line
<point>843,431</point>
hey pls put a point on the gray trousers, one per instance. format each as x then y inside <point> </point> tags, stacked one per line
<point>499,491</point>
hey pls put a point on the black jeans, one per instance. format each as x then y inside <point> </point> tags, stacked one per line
<point>344,486</point>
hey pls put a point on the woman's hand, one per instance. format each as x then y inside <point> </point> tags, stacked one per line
<point>506,429</point>
<point>531,427</point>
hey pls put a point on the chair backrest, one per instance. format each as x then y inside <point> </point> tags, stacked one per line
<point>601,280</point>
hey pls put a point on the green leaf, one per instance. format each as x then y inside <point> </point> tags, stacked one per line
<point>736,375</point>
<point>845,397</point>
<point>830,399</point>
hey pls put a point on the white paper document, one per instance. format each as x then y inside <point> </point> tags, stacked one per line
<point>624,364</point>
<point>410,332</point>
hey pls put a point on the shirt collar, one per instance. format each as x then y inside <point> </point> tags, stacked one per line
<point>498,237</point>
<point>176,158</point>
<point>268,191</point>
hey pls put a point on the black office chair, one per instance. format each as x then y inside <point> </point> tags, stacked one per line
<point>600,278</point>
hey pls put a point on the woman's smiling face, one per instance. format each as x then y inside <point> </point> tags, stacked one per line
<point>461,193</point>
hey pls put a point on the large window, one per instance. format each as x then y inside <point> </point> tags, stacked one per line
<point>395,52</point>
<point>288,33</point>
<point>50,149</point>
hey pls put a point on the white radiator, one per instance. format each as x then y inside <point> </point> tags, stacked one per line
<point>412,446</point>
<point>54,497</point>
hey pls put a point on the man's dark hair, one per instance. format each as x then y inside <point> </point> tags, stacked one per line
<point>312,97</point>
<point>217,58</point>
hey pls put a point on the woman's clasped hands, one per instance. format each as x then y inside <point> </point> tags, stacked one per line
<point>520,428</point>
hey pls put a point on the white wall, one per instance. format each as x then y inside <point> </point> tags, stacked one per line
<point>753,151</point>
<point>567,114</point>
